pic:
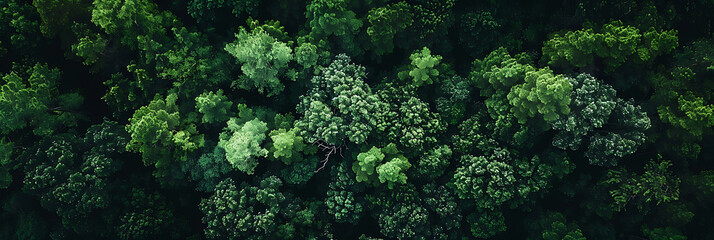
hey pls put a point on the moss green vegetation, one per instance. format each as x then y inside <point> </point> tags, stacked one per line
<point>356,119</point>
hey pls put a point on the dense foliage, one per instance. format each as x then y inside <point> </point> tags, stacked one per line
<point>356,119</point>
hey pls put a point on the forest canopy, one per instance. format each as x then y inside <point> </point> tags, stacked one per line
<point>356,119</point>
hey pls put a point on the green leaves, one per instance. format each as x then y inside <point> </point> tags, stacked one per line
<point>242,144</point>
<point>391,172</point>
<point>386,22</point>
<point>160,135</point>
<point>656,185</point>
<point>263,59</point>
<point>32,98</point>
<point>615,43</point>
<point>339,106</point>
<point>543,93</point>
<point>631,122</point>
<point>424,68</point>
<point>214,106</point>
<point>591,106</point>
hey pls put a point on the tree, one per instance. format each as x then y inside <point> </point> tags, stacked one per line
<point>503,177</point>
<point>32,98</point>
<point>191,63</point>
<point>486,223</point>
<point>206,10</point>
<point>408,120</point>
<point>656,185</point>
<point>591,105</point>
<point>341,201</point>
<point>543,93</point>
<point>242,143</point>
<point>21,24</point>
<point>386,22</point>
<point>214,106</point>
<point>160,135</point>
<point>424,68</point>
<point>263,60</point>
<point>129,19</point>
<point>433,164</point>
<point>339,106</point>
<point>391,171</point>
<point>631,122</point>
<point>71,174</point>
<point>327,18</point>
<point>553,226</point>
<point>287,146</point>
<point>90,45</point>
<point>208,169</point>
<point>615,43</point>
<point>433,18</point>
<point>456,94</point>
<point>56,14</point>
<point>257,212</point>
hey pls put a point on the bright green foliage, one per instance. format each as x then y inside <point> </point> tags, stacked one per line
<point>129,19</point>
<point>33,99</point>
<point>615,43</point>
<point>286,145</point>
<point>208,169</point>
<point>393,172</point>
<point>591,105</point>
<point>366,163</point>
<point>693,116</point>
<point>423,69</point>
<point>433,164</point>
<point>90,46</point>
<point>386,22</point>
<point>214,106</point>
<point>306,55</point>
<point>263,59</point>
<point>486,224</point>
<point>327,18</point>
<point>242,143</point>
<point>339,106</point>
<point>543,93</point>
<point>206,10</point>
<point>341,201</point>
<point>408,121</point>
<point>553,226</point>
<point>495,76</point>
<point>657,184</point>
<point>631,122</point>
<point>498,72</point>
<point>158,133</point>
